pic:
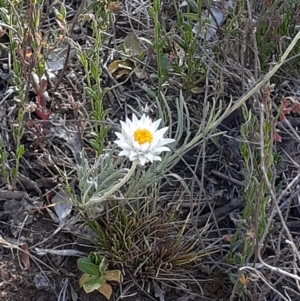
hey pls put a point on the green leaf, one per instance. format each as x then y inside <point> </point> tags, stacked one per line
<point>156,5</point>
<point>90,283</point>
<point>103,266</point>
<point>229,258</point>
<point>3,156</point>
<point>86,266</point>
<point>94,283</point>
<point>233,278</point>
<point>238,259</point>
<point>151,12</point>
<point>14,173</point>
<point>194,17</point>
<point>193,5</point>
<point>58,15</point>
<point>63,11</point>
<point>20,116</point>
<point>105,131</point>
<point>95,258</point>
<point>95,145</point>
<point>91,93</point>
<point>4,16</point>
<point>94,70</point>
<point>149,92</point>
<point>20,151</point>
<point>165,61</point>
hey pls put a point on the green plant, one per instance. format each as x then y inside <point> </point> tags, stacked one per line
<point>178,55</point>
<point>191,68</point>
<point>4,171</point>
<point>138,236</point>
<point>96,274</point>
<point>276,26</point>
<point>158,44</point>
<point>95,179</point>
<point>135,237</point>
<point>89,58</point>
<point>25,47</point>
<point>28,46</point>
<point>253,222</point>
<point>146,242</point>
<point>18,131</point>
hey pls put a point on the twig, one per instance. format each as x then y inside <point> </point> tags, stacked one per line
<point>223,211</point>
<point>261,276</point>
<point>228,178</point>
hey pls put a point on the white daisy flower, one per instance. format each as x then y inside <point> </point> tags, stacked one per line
<point>141,140</point>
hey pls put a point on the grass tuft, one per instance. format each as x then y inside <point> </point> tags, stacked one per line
<point>147,244</point>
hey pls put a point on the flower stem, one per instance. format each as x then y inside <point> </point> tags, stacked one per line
<point>94,200</point>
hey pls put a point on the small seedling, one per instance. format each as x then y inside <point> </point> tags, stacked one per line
<point>96,274</point>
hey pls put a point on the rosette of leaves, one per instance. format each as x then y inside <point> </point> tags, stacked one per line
<point>96,274</point>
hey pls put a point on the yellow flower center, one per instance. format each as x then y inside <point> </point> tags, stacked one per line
<point>142,136</point>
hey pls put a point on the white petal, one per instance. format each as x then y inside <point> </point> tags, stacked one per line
<point>168,140</point>
<point>160,149</point>
<point>128,122</point>
<point>143,119</point>
<point>156,158</point>
<point>135,121</point>
<point>142,153</point>
<point>144,147</point>
<point>142,160</point>
<point>148,123</point>
<point>136,145</point>
<point>133,155</point>
<point>121,139</point>
<point>124,125</point>
<point>128,126</point>
<point>150,157</point>
<point>123,145</point>
<point>160,132</point>
<point>155,125</point>
<point>125,130</point>
<point>124,152</point>
<point>120,136</point>
<point>163,142</point>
